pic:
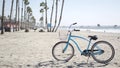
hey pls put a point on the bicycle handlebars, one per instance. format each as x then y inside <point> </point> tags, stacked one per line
<point>71,26</point>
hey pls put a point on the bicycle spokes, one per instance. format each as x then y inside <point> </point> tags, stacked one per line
<point>98,52</point>
<point>102,52</point>
<point>60,53</point>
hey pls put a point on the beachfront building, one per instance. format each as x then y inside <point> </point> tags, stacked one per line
<point>9,26</point>
<point>14,26</point>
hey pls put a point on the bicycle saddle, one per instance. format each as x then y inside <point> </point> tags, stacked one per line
<point>93,37</point>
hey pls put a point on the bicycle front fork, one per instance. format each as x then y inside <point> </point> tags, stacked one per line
<point>65,47</point>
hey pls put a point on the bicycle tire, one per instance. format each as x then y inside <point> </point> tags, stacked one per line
<point>57,49</point>
<point>101,60</point>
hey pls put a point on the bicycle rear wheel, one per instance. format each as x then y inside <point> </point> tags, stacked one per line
<point>58,54</point>
<point>102,52</point>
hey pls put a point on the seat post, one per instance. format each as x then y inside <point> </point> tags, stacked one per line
<point>89,43</point>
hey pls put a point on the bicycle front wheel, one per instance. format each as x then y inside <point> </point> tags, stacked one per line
<point>102,52</point>
<point>58,54</point>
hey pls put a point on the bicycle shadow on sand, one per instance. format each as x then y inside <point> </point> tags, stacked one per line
<point>62,64</point>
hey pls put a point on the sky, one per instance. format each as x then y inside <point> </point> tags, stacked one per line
<point>84,12</point>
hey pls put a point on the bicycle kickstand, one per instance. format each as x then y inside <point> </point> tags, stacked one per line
<point>88,59</point>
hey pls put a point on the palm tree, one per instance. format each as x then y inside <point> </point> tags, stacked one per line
<point>22,15</point>
<point>42,4</point>
<point>56,15</point>
<point>33,20</point>
<point>2,26</point>
<point>16,13</point>
<point>11,13</point>
<point>42,11</point>
<point>60,15</point>
<point>26,2</point>
<point>42,18</point>
<point>52,15</point>
<point>29,11</point>
<point>32,23</point>
<point>45,7</point>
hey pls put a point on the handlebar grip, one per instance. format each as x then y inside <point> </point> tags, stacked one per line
<point>74,23</point>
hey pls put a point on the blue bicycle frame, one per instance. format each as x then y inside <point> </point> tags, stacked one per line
<point>70,38</point>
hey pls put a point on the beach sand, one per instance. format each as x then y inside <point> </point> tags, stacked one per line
<point>34,50</point>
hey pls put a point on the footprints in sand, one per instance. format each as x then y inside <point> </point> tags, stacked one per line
<point>117,64</point>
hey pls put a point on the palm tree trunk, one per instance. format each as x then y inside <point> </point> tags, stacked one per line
<point>11,13</point>
<point>25,12</point>
<point>16,14</point>
<point>43,19</point>
<point>2,24</point>
<point>55,15</point>
<point>60,15</point>
<point>28,20</point>
<point>51,15</point>
<point>46,16</point>
<point>22,15</point>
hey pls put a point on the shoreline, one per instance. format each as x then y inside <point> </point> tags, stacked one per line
<point>96,29</point>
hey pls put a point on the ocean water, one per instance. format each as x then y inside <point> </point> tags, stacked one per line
<point>103,30</point>
<point>108,29</point>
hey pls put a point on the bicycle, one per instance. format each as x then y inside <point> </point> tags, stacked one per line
<point>101,51</point>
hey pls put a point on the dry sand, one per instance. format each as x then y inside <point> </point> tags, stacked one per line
<point>34,50</point>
